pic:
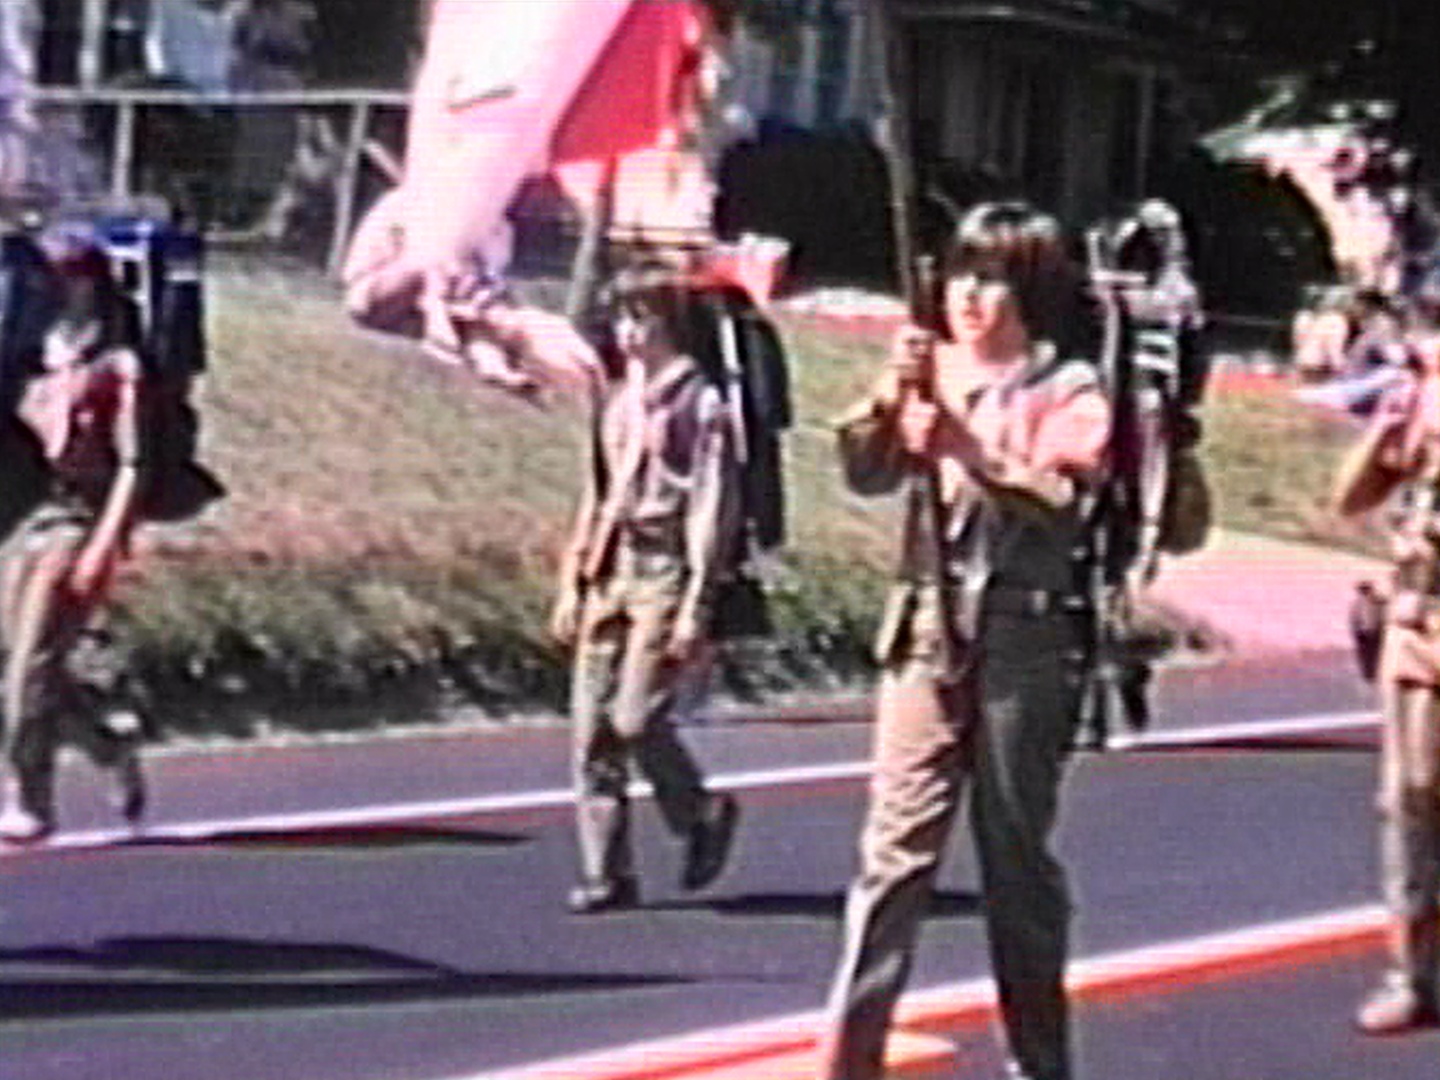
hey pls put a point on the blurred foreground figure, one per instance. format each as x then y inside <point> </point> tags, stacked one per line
<point>983,636</point>
<point>603,95</point>
<point>1399,459</point>
<point>652,537</point>
<point>83,405</point>
<point>462,312</point>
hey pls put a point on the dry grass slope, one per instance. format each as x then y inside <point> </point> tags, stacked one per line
<point>392,528</point>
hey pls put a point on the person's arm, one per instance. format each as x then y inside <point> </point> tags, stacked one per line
<point>564,619</point>
<point>102,547</point>
<point>871,456</point>
<point>1373,468</point>
<point>577,548</point>
<point>871,433</point>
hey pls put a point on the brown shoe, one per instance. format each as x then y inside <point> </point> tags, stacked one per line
<point>1395,1009</point>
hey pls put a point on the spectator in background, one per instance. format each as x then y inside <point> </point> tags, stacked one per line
<point>271,42</point>
<point>1374,361</point>
<point>1379,339</point>
<point>1321,333</point>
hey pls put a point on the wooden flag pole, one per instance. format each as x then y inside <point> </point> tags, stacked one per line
<point>925,513</point>
<point>891,58</point>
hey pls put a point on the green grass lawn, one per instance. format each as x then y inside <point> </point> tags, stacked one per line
<point>1272,461</point>
<point>392,527</point>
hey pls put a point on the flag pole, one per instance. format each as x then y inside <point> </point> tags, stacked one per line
<point>925,513</point>
<point>891,59</point>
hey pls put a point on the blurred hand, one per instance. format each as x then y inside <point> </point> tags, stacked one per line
<point>565,618</point>
<point>917,424</point>
<point>1044,485</point>
<point>910,364</point>
<point>686,637</point>
<point>559,354</point>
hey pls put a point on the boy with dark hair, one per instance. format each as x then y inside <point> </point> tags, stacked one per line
<point>980,688</point>
<point>638,581</point>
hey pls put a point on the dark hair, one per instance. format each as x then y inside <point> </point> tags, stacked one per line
<point>75,257</point>
<point>1027,249</point>
<point>660,289</point>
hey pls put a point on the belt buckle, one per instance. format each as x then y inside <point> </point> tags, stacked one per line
<point>1037,602</point>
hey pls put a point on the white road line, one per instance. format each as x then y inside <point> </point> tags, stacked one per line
<point>1283,727</point>
<point>960,999</point>
<point>410,813</point>
<point>560,799</point>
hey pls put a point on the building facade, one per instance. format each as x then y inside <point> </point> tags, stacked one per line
<point>1063,101</point>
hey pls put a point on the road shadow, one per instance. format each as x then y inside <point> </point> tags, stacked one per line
<point>1358,742</point>
<point>123,976</point>
<point>361,838</point>
<point>944,904</point>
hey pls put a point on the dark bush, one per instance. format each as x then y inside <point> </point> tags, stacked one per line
<point>827,193</point>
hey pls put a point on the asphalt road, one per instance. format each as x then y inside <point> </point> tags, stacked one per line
<point>1290,1022</point>
<point>432,947</point>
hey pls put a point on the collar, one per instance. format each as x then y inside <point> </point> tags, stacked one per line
<point>1024,371</point>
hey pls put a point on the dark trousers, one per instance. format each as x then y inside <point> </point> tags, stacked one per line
<point>1001,732</point>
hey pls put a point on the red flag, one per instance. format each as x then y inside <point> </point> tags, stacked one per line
<point>641,89</point>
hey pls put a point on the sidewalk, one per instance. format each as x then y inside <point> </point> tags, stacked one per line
<point>1262,598</point>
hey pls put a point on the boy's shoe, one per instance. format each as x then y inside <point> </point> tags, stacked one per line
<point>708,849</point>
<point>130,794</point>
<point>20,826</point>
<point>1397,1008</point>
<point>594,897</point>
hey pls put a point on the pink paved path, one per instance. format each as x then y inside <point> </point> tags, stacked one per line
<point>1267,597</point>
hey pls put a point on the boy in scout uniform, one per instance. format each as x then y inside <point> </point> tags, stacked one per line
<point>1398,460</point>
<point>980,643</point>
<point>656,524</point>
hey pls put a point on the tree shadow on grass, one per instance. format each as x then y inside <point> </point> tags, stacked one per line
<point>132,975</point>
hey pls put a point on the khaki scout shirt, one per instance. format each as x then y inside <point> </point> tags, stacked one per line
<point>666,478</point>
<point>1411,459</point>
<point>1052,416</point>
